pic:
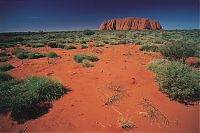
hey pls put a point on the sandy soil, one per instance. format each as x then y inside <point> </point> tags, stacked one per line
<point>84,109</point>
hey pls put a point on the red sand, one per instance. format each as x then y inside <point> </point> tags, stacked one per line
<point>83,109</point>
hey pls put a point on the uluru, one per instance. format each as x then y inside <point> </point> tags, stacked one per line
<point>130,23</point>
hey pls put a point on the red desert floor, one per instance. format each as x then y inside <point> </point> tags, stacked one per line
<point>83,109</point>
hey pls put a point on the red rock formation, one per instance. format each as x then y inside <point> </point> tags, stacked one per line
<point>130,24</point>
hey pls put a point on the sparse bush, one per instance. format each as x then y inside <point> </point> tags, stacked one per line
<point>26,99</point>
<point>3,59</point>
<point>80,57</point>
<point>152,48</point>
<point>56,44</point>
<point>122,42</point>
<point>5,77</point>
<point>87,63</point>
<point>98,44</point>
<point>24,54</point>
<point>179,81</point>
<point>179,50</point>
<point>6,67</point>
<point>52,55</point>
<point>70,47</point>
<point>52,44</point>
<point>83,42</point>
<point>84,46</point>
<point>2,54</point>
<point>36,44</point>
<point>125,123</point>
<point>88,32</point>
<point>60,45</point>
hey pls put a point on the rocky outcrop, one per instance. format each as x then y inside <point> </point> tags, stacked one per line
<point>130,24</point>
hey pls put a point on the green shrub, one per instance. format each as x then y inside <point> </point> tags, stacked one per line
<point>2,54</point>
<point>60,45</point>
<point>88,32</point>
<point>5,77</point>
<point>122,42</point>
<point>56,44</point>
<point>70,47</point>
<point>26,99</point>
<point>98,44</point>
<point>152,48</point>
<point>84,46</point>
<point>87,63</point>
<point>52,44</point>
<point>36,44</point>
<point>35,55</point>
<point>179,81</point>
<point>24,54</point>
<point>80,57</point>
<point>6,67</point>
<point>83,42</point>
<point>52,55</point>
<point>3,59</point>
<point>179,50</point>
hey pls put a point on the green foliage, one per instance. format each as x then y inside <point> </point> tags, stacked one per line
<point>6,67</point>
<point>56,44</point>
<point>70,47</point>
<point>35,44</point>
<point>3,59</point>
<point>179,50</point>
<point>146,47</point>
<point>179,81</point>
<point>24,54</point>
<point>52,55</point>
<point>84,46</point>
<point>98,44</point>
<point>5,77</point>
<point>81,56</point>
<point>2,54</point>
<point>88,32</point>
<point>26,98</point>
<point>87,63</point>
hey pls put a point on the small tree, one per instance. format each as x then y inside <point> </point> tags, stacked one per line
<point>179,50</point>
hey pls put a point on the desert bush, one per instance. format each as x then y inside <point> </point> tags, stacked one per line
<point>2,54</point>
<point>56,44</point>
<point>87,63</point>
<point>3,59</point>
<point>98,44</point>
<point>6,67</point>
<point>26,99</point>
<point>84,46</point>
<point>88,32</point>
<point>179,50</point>
<point>179,81</point>
<point>81,56</point>
<point>52,55</point>
<point>146,47</point>
<point>83,42</point>
<point>24,54</point>
<point>5,77</point>
<point>125,123</point>
<point>52,44</point>
<point>122,42</point>
<point>70,47</point>
<point>35,44</point>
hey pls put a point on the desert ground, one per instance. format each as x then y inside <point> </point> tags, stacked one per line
<point>118,88</point>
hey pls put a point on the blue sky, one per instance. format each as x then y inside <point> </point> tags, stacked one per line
<point>51,15</point>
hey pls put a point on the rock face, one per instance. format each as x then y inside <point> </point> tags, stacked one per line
<point>130,23</point>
